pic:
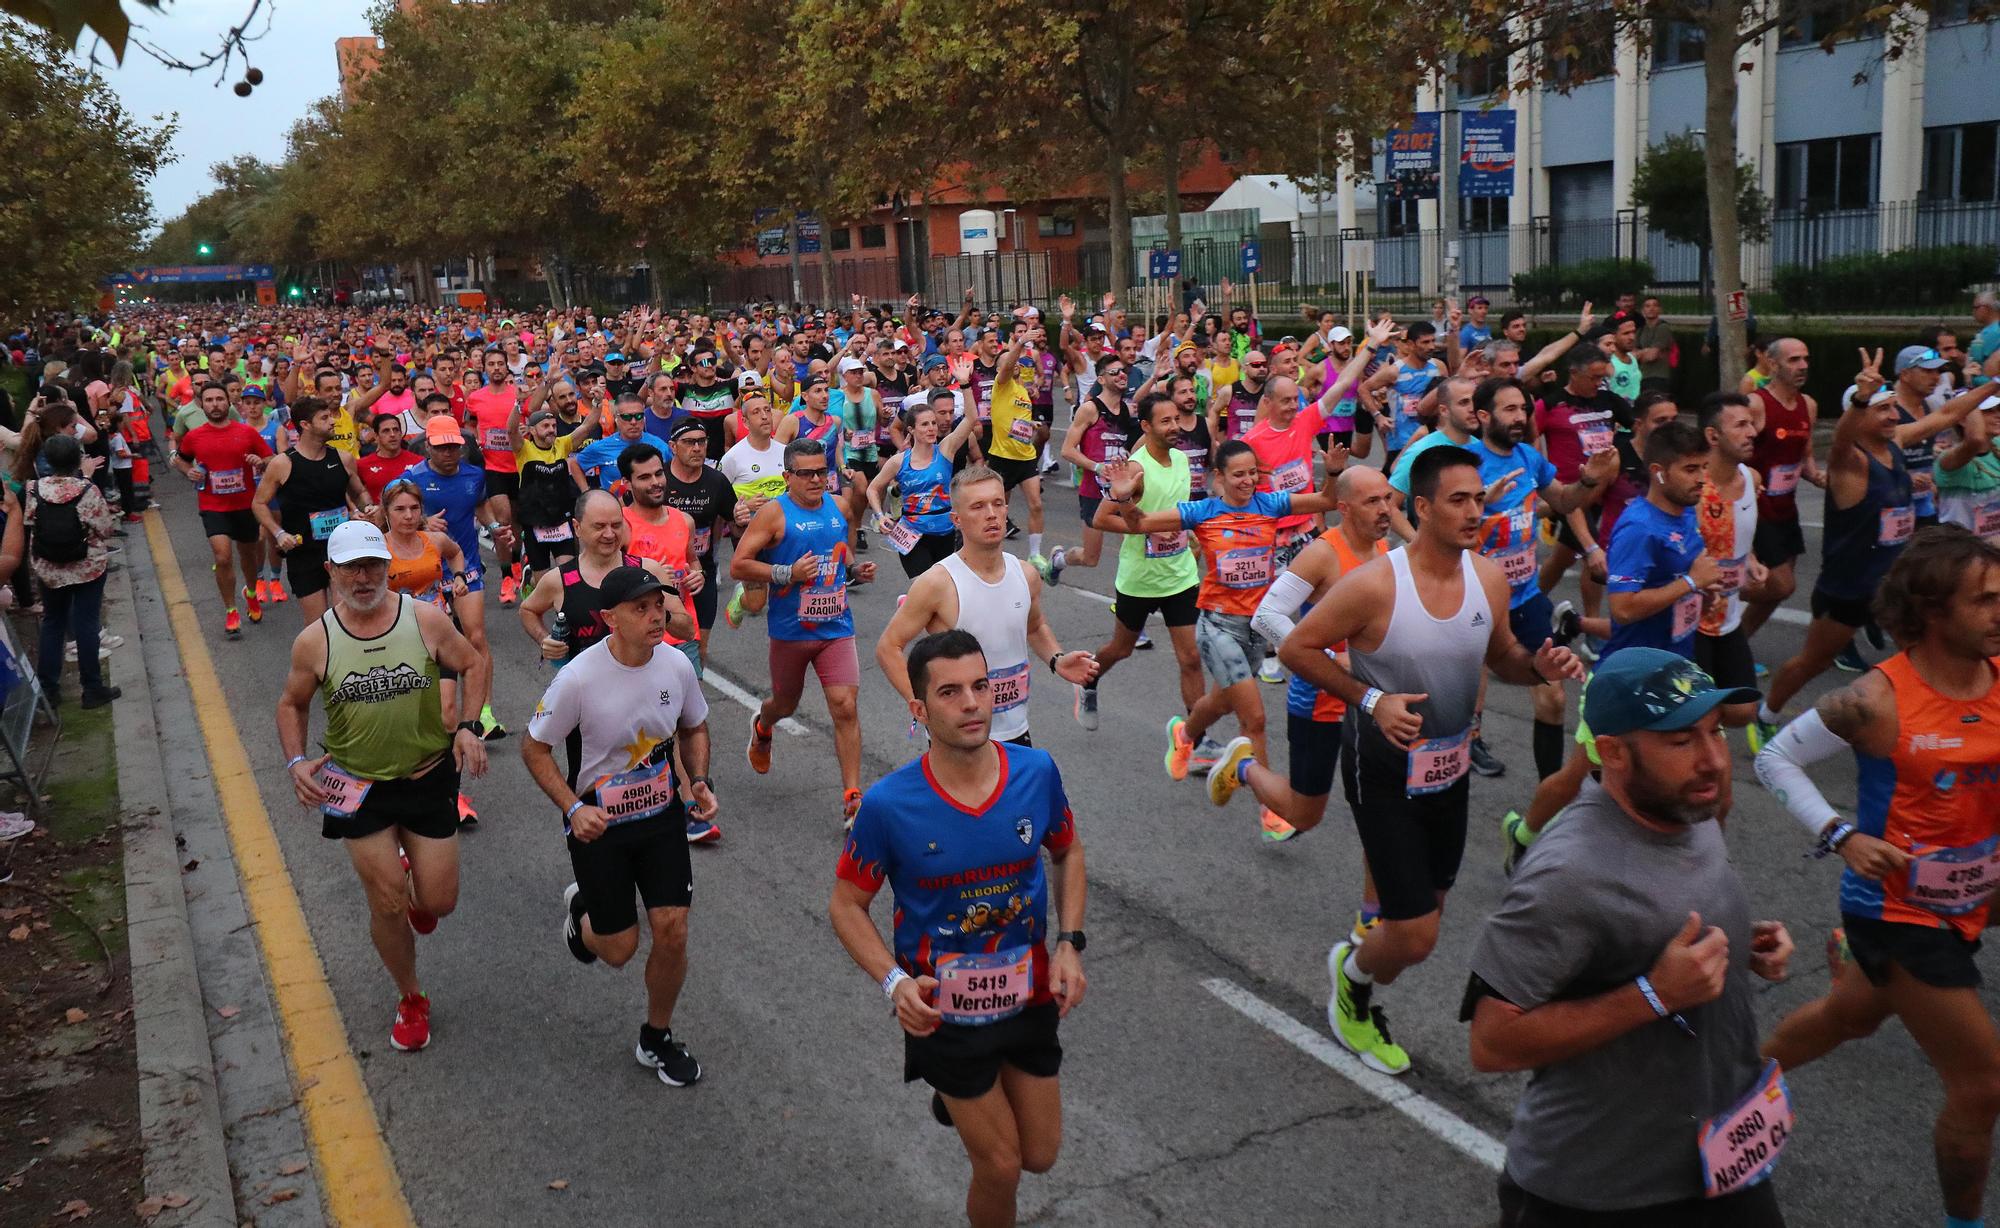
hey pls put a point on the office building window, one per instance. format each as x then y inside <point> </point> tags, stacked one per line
<point>1482,213</point>
<point>1960,163</point>
<point>1816,21</point>
<point>1054,225</point>
<point>1582,46</point>
<point>839,239</point>
<point>1676,43</point>
<point>1480,76</point>
<point>1399,217</point>
<point>1951,12</point>
<point>874,236</point>
<point>1835,173</point>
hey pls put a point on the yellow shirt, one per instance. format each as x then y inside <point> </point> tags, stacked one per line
<point>1013,419</point>
<point>529,453</point>
<point>1228,372</point>
<point>344,439</point>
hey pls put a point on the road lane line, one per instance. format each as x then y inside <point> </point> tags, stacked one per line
<point>755,705</point>
<point>1477,1145</point>
<point>1084,592</point>
<point>356,1174</point>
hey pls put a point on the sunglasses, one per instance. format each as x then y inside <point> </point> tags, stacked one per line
<point>639,417</point>
<point>810,475</point>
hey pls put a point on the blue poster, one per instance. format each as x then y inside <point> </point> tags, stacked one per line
<point>1486,153</point>
<point>1253,257</point>
<point>1411,168</point>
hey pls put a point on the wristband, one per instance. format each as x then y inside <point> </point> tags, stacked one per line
<point>896,977</point>
<point>573,808</point>
<point>294,761</point>
<point>1594,549</point>
<point>1832,838</point>
<point>1692,588</point>
<point>1660,1008</point>
<point>1053,658</point>
<point>1369,700</point>
<point>781,574</point>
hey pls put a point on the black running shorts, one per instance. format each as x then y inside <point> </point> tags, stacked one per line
<point>424,805</point>
<point>1414,844</point>
<point>1938,957</point>
<point>648,857</point>
<point>963,1061</point>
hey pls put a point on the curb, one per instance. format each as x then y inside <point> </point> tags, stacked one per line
<point>180,1111</point>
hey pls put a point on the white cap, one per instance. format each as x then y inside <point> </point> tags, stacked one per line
<point>1340,333</point>
<point>851,363</point>
<point>746,380</point>
<point>900,344</point>
<point>354,540</point>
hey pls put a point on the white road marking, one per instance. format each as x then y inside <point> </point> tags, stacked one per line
<point>1477,1145</point>
<point>721,682</point>
<point>1786,614</point>
<point>1084,592</point>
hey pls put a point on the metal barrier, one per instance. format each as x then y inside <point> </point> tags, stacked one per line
<point>24,699</point>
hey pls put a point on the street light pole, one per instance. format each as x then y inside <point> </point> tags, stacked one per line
<point>1448,202</point>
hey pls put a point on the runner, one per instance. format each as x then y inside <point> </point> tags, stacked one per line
<point>572,593</point>
<point>921,531</point>
<point>1617,971</point>
<point>665,536</point>
<point>1870,515</point>
<point>1102,431</point>
<point>972,906</point>
<point>429,566</point>
<point>1924,727</point>
<point>706,497</point>
<point>631,704</point>
<point>1572,425</point>
<point>1408,381</point>
<point>1784,417</point>
<point>1415,679</point>
<point>386,782</point>
<point>488,410</point>
<point>858,408</point>
<point>705,398</point>
<point>546,487</point>
<point>1660,571</point>
<point>755,469</point>
<point>990,593</point>
<point>320,490</point>
<point>797,545</point>
<point>390,458</point>
<point>1968,475</point>
<point>456,503</point>
<point>1157,573</point>
<point>1727,515</point>
<point>1009,445</point>
<point>219,456</point>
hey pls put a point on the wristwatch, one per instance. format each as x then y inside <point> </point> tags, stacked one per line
<point>474,728</point>
<point>703,780</point>
<point>1833,837</point>
<point>1074,938</point>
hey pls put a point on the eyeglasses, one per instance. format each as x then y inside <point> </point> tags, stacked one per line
<point>639,417</point>
<point>810,475</point>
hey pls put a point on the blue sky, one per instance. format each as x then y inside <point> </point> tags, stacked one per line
<point>297,60</point>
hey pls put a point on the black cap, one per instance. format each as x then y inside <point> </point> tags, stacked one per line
<point>623,584</point>
<point>686,426</point>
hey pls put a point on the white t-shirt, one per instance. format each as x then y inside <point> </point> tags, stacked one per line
<point>626,714</point>
<point>753,470</point>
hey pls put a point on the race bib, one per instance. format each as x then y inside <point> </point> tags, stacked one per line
<point>343,792</point>
<point>1986,519</point>
<point>1114,451</point>
<point>1166,545</point>
<point>1248,568</point>
<point>638,794</point>
<point>1732,573</point>
<point>822,604</point>
<point>1021,429</point>
<point>698,544</point>
<point>1438,762</point>
<point>1010,687</point>
<point>1783,479</point>
<point>862,439</point>
<point>1292,475</point>
<point>322,524</point>
<point>985,987</point>
<point>227,482</point>
<point>1517,564</point>
<point>1741,1145</point>
<point>553,532</point>
<point>496,438</point>
<point>898,533</point>
<point>1897,525</point>
<point>1954,881</point>
<point>1687,615</point>
<point>1595,439</point>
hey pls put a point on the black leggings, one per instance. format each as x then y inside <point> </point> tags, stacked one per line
<point>930,548</point>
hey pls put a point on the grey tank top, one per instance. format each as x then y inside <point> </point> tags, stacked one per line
<point>1443,658</point>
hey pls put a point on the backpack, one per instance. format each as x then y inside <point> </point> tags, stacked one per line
<point>59,535</point>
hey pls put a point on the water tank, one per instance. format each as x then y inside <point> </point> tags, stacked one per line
<point>978,232</point>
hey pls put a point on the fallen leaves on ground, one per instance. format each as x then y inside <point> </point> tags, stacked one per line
<point>75,1014</point>
<point>19,933</point>
<point>560,1183</point>
<point>229,1012</point>
<point>75,1209</point>
<point>275,1197</point>
<point>173,1199</point>
<point>291,1168</point>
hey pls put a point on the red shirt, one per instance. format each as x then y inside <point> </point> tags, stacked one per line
<point>1285,458</point>
<point>488,409</point>
<point>222,451</point>
<point>377,471</point>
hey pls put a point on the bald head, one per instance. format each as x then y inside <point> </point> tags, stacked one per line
<point>1281,390</point>
<point>1364,500</point>
<point>1358,482</point>
<point>1787,359</point>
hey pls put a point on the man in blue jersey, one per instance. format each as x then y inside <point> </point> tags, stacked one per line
<point>1658,570</point>
<point>958,836</point>
<point>455,499</point>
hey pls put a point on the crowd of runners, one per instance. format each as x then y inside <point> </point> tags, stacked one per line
<point>1373,517</point>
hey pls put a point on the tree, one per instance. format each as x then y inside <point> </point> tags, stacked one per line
<point>1671,185</point>
<point>77,168</point>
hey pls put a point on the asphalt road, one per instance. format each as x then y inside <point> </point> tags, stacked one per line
<point>1198,1088</point>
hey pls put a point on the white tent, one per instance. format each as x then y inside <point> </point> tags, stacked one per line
<point>1279,198</point>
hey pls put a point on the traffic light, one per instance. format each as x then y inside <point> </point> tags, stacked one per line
<point>298,293</point>
<point>204,250</point>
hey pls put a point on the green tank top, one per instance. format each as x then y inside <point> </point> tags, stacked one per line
<point>384,718</point>
<point>1159,564</point>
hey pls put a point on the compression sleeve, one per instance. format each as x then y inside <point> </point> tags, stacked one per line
<point>1782,767</point>
<point>1273,619</point>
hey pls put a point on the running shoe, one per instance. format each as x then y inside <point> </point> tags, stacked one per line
<point>252,605</point>
<point>1270,672</point>
<point>510,591</point>
<point>1759,734</point>
<point>105,644</point>
<point>278,591</point>
<point>1361,1029</point>
<point>412,1029</point>
<point>732,613</point>
<point>1364,925</point>
<point>1013,530</point>
<point>1178,748</point>
<point>1590,648</point>
<point>1058,563</point>
<point>1222,782</point>
<point>1837,953</point>
<point>850,805</point>
<point>1144,643</point>
<point>490,727</point>
<point>1483,761</point>
<point>701,831</point>
<point>1042,567</point>
<point>263,589</point>
<point>658,1050</point>
<point>1516,838</point>
<point>1763,670</point>
<point>232,625</point>
<point>467,816</point>
<point>1850,660</point>
<point>1206,752</point>
<point>759,749</point>
<point>1875,637</point>
<point>1276,830</point>
<point>14,825</point>
<point>1086,706</point>
<point>1567,622</point>
<point>860,541</point>
<point>573,925</point>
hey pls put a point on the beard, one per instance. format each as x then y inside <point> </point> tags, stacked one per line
<point>368,604</point>
<point>1659,801</point>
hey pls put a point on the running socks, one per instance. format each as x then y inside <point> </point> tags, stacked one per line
<point>1352,971</point>
<point>1034,545</point>
<point>1767,716</point>
<point>1548,749</point>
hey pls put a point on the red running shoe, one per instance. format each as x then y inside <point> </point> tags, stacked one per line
<point>412,1029</point>
<point>278,593</point>
<point>254,604</point>
<point>232,625</point>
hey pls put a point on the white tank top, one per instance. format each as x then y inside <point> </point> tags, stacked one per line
<point>1727,533</point>
<point>1422,654</point>
<point>997,616</point>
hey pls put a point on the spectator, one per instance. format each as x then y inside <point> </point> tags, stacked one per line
<point>1658,351</point>
<point>69,525</point>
